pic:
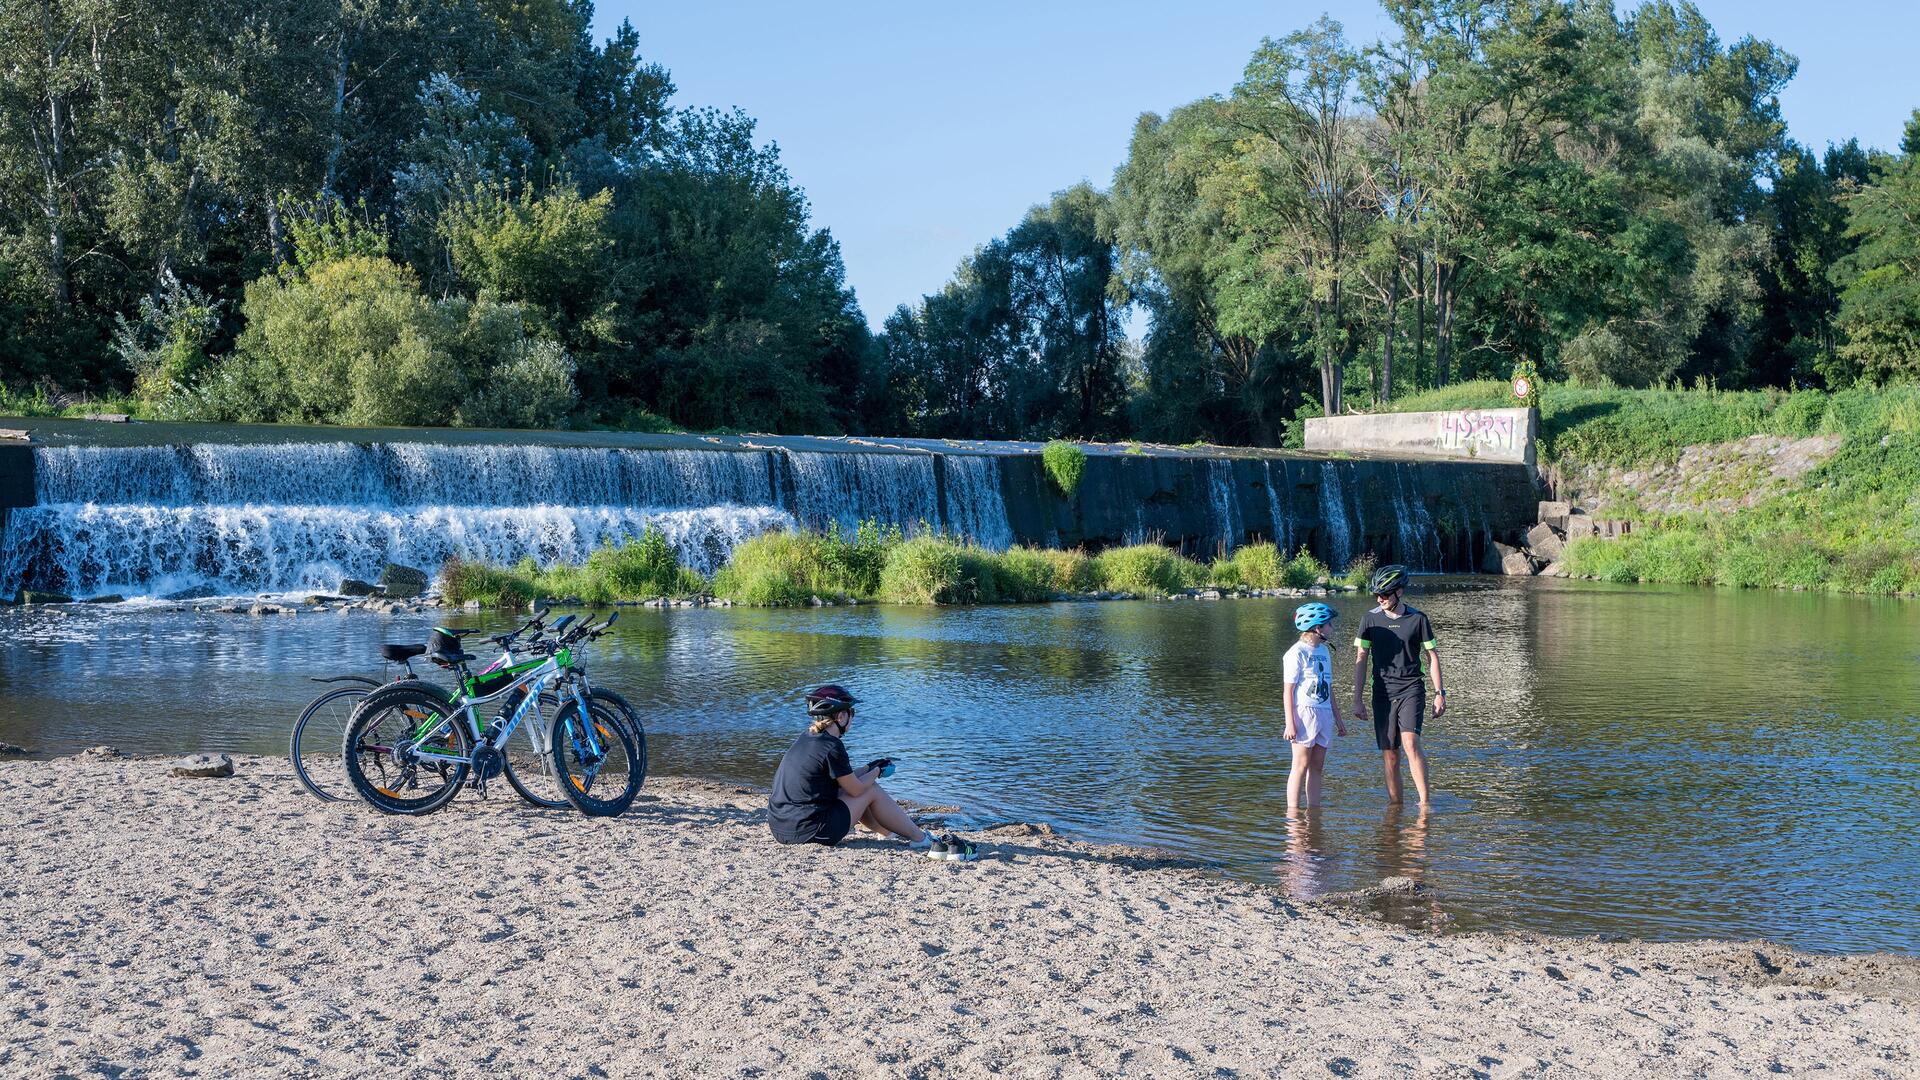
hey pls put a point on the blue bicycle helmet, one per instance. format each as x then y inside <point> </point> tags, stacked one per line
<point>1308,616</point>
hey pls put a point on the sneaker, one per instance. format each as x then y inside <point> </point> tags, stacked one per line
<point>925,842</point>
<point>951,848</point>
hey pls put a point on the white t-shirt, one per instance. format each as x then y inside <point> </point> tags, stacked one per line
<point>1309,670</point>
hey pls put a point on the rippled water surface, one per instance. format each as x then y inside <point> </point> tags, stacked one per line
<point>1664,763</point>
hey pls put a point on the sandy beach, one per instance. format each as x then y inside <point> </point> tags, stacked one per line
<point>160,926</point>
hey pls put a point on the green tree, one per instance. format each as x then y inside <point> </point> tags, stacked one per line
<point>1880,279</point>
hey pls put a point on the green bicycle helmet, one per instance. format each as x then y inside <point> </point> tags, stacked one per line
<point>1387,579</point>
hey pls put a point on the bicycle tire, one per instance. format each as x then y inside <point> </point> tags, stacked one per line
<point>325,744</point>
<point>580,774</point>
<point>631,717</point>
<point>387,715</point>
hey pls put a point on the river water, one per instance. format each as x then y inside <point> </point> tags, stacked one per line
<point>1656,762</point>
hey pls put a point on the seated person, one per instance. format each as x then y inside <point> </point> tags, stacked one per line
<point>817,795</point>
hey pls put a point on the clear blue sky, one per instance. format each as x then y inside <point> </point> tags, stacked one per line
<point>921,130</point>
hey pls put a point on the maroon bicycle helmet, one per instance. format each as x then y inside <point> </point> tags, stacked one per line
<point>829,699</point>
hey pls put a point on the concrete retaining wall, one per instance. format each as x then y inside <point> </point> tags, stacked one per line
<point>1506,435</point>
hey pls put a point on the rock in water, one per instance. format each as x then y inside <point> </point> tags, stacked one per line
<point>1507,559</point>
<point>102,751</point>
<point>204,765</point>
<point>7,749</point>
<point>1543,542</point>
<point>33,596</point>
<point>356,587</point>
<point>402,582</point>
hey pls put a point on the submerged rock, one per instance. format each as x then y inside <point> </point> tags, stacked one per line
<point>203,765</point>
<point>8,749</point>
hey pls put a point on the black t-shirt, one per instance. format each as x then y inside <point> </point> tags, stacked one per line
<point>805,786</point>
<point>1395,643</point>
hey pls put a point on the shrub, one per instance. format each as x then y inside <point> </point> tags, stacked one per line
<point>778,569</point>
<point>855,561</point>
<point>1359,571</point>
<point>1026,574</point>
<point>928,570</point>
<point>641,569</point>
<point>352,340</point>
<point>1303,570</point>
<point>1256,566</point>
<point>1065,463</point>
<point>493,586</point>
<point>1148,569</point>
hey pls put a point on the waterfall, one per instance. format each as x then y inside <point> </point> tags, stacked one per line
<point>1415,535</point>
<point>293,516</point>
<point>1278,510</point>
<point>975,507</point>
<point>1226,505</point>
<point>87,548</point>
<point>1333,511</point>
<point>838,489</point>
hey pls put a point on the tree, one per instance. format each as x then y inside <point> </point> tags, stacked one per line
<point>1880,279</point>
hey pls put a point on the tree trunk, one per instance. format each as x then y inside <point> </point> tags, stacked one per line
<point>1445,274</point>
<point>1393,328</point>
<point>51,168</point>
<point>337,141</point>
<point>1419,313</point>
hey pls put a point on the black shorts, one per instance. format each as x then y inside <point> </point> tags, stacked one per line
<point>1393,715</point>
<point>838,824</point>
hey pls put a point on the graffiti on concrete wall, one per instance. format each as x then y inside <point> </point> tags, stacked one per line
<point>1470,429</point>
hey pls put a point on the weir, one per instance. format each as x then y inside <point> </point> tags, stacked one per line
<point>163,509</point>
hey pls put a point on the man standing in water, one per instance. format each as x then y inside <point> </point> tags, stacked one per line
<point>1396,636</point>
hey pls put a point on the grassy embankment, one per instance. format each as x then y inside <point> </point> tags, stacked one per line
<point>879,565</point>
<point>1850,525</point>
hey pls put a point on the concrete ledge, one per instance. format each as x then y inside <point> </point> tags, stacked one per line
<point>1503,435</point>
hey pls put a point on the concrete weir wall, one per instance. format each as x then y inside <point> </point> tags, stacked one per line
<point>1506,435</point>
<point>1432,513</point>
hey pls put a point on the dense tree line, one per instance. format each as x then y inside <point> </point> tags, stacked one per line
<point>1612,198</point>
<point>406,211</point>
<point>470,211</point>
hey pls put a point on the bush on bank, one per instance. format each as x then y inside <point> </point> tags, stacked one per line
<point>872,563</point>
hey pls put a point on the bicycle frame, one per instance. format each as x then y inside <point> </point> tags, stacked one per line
<point>533,681</point>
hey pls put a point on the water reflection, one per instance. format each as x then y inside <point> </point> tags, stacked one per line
<point>1652,761</point>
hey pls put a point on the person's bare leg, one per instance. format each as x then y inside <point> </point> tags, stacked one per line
<point>1416,763</point>
<point>1316,768</point>
<point>1390,758</point>
<point>883,815</point>
<point>1297,776</point>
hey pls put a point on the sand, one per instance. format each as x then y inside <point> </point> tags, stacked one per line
<point>158,926</point>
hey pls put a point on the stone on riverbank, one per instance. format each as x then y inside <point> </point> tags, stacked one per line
<point>1544,543</point>
<point>203,766</point>
<point>402,582</point>
<point>1506,559</point>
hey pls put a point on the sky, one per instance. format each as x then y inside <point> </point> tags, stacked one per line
<point>921,130</point>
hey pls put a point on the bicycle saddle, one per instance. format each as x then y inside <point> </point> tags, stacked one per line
<point>400,654</point>
<point>443,647</point>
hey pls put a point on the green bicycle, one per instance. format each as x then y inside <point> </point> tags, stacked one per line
<point>408,750</point>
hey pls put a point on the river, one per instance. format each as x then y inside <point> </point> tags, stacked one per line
<point>1655,762</point>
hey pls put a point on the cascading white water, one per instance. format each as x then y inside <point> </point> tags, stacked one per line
<point>976,508</point>
<point>1226,504</point>
<point>246,518</point>
<point>835,489</point>
<point>1419,543</point>
<point>1278,510</point>
<point>1333,511</point>
<point>86,548</point>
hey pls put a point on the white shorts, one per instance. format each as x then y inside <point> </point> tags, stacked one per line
<point>1313,727</point>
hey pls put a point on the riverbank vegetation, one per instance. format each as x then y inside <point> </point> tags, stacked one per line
<point>879,565</point>
<point>465,212</point>
<point>1848,524</point>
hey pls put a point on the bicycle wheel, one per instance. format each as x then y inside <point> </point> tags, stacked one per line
<point>376,750</point>
<point>314,746</point>
<point>526,758</point>
<point>605,698</point>
<point>593,756</point>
